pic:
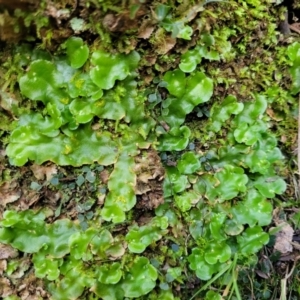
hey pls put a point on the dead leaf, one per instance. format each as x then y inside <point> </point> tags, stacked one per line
<point>144,177</point>
<point>6,251</point>
<point>9,193</point>
<point>31,287</point>
<point>51,198</point>
<point>28,199</point>
<point>23,265</point>
<point>150,60</point>
<point>283,139</point>
<point>284,238</point>
<point>144,220</point>
<point>193,12</point>
<point>148,79</point>
<point>100,199</point>
<point>40,172</point>
<point>5,287</point>
<point>3,266</point>
<point>104,176</point>
<point>2,155</point>
<point>58,10</point>
<point>8,101</point>
<point>115,255</point>
<point>295,27</point>
<point>123,21</point>
<point>150,175</point>
<point>296,245</point>
<point>141,188</point>
<point>166,45</point>
<point>262,274</point>
<point>270,112</point>
<point>146,29</point>
<point>288,257</point>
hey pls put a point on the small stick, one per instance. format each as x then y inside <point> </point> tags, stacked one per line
<point>293,268</point>
<point>294,28</point>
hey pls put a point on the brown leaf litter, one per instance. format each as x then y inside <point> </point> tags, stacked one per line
<point>150,175</point>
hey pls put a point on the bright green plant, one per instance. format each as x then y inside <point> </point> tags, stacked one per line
<point>235,198</point>
<point>87,106</point>
<point>293,53</point>
<point>191,58</point>
<point>71,99</point>
<point>59,249</point>
<point>176,139</point>
<point>203,269</point>
<point>77,52</point>
<point>254,209</point>
<point>121,196</point>
<point>189,163</point>
<point>139,238</point>
<point>221,113</point>
<point>177,26</point>
<point>109,68</point>
<point>186,92</point>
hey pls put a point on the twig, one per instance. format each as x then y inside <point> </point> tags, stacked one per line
<point>293,268</point>
<point>283,281</point>
<point>294,28</point>
<point>205,286</point>
<point>283,289</point>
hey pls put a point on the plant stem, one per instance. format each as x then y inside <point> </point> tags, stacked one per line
<point>211,281</point>
<point>235,286</point>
